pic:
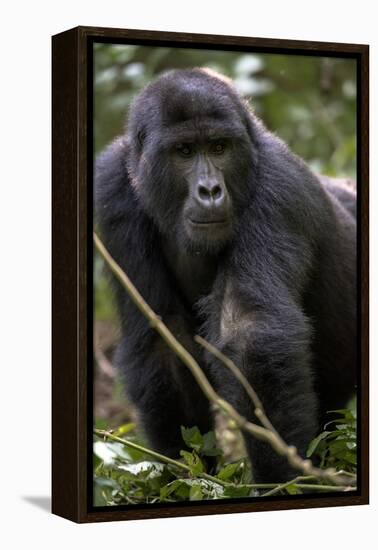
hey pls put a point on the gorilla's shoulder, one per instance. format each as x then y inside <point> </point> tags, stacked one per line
<point>110,163</point>
<point>113,195</point>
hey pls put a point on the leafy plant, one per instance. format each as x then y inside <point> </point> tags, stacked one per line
<point>125,473</point>
<point>336,446</point>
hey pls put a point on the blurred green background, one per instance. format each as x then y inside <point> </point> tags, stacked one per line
<point>310,102</point>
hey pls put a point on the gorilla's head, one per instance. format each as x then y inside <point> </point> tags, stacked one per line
<point>192,156</point>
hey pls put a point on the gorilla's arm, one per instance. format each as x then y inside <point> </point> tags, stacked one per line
<point>265,332</point>
<point>164,393</point>
<point>272,349</point>
<point>263,323</point>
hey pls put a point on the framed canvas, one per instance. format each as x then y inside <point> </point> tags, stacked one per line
<point>210,274</point>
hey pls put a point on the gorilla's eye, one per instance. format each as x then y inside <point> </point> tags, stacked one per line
<point>185,149</point>
<point>218,148</point>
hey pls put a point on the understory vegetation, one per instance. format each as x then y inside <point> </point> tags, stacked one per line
<point>127,472</point>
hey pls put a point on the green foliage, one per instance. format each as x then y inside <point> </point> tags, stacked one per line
<point>308,101</point>
<point>194,462</point>
<point>123,475</point>
<point>336,446</point>
<point>205,445</point>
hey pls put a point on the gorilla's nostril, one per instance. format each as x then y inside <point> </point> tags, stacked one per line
<point>216,192</point>
<point>203,192</point>
<point>209,192</point>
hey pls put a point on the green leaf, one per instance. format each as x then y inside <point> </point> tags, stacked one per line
<point>178,488</point>
<point>292,490</point>
<point>229,471</point>
<point>237,491</point>
<point>124,429</point>
<point>210,445</point>
<point>315,442</point>
<point>337,446</point>
<point>195,492</point>
<point>350,457</point>
<point>192,438</point>
<point>194,461</point>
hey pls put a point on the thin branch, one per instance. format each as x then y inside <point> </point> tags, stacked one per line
<point>291,482</point>
<point>262,433</point>
<point>259,409</point>
<point>328,488</point>
<point>157,324</point>
<point>105,434</point>
<point>262,416</point>
<point>163,458</point>
<point>104,363</point>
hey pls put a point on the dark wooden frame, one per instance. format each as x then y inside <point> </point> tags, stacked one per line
<point>72,266</point>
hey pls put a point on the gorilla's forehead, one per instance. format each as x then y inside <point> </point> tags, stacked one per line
<point>184,104</point>
<point>191,110</point>
<point>202,128</point>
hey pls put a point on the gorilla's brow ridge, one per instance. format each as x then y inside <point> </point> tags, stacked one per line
<point>204,129</point>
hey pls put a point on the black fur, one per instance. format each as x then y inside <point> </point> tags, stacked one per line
<point>275,290</point>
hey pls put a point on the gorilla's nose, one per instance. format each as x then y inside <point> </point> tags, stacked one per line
<point>210,193</point>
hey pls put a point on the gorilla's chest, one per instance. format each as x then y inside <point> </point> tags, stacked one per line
<point>194,273</point>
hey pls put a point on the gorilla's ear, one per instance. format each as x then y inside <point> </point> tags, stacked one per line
<point>141,136</point>
<point>253,127</point>
<point>249,123</point>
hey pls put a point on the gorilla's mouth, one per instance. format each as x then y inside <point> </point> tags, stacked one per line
<point>206,223</point>
<point>211,232</point>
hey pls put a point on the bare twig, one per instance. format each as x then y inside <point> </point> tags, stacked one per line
<point>262,416</point>
<point>288,483</point>
<point>296,482</point>
<point>104,363</point>
<point>259,409</point>
<point>106,434</point>
<point>166,459</point>
<point>157,324</point>
<point>260,432</point>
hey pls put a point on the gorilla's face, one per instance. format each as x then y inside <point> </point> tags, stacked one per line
<point>191,157</point>
<point>201,167</point>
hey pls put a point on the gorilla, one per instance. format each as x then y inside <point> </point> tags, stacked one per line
<point>227,234</point>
